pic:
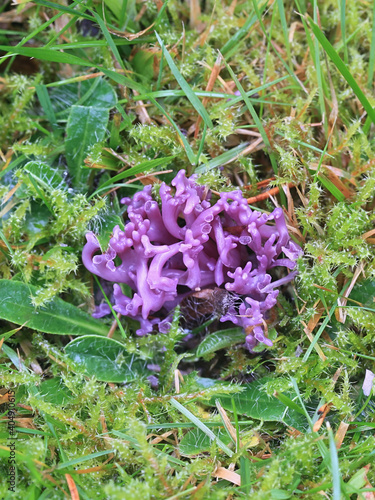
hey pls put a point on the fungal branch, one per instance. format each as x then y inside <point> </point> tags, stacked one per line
<point>191,243</point>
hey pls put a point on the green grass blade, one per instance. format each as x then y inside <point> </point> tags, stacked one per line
<point>335,469</point>
<point>109,39</point>
<point>189,152</point>
<point>142,167</point>
<point>201,144</point>
<point>245,475</point>
<point>307,32</point>
<point>61,57</point>
<point>342,68</point>
<point>95,43</point>
<point>318,70</point>
<point>85,458</point>
<point>259,125</point>
<point>342,6</point>
<point>203,93</point>
<point>250,107</point>
<point>371,63</point>
<point>62,8</point>
<point>222,159</point>
<point>115,315</point>
<point>280,5</point>
<point>231,46</point>
<point>200,109</point>
<point>200,426</point>
<point>46,104</point>
<point>331,187</point>
<point>46,55</point>
<point>265,31</point>
<point>319,332</point>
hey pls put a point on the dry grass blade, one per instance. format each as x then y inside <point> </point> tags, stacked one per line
<point>72,487</point>
<point>228,475</point>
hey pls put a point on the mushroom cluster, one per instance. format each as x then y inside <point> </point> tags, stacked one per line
<point>190,243</point>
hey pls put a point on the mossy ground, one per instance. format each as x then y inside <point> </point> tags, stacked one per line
<point>278,94</point>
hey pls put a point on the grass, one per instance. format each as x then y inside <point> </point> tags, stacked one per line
<point>101,98</point>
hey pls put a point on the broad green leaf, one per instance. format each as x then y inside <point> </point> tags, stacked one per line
<point>201,425</point>
<point>255,403</point>
<point>86,126</point>
<point>363,292</point>
<point>196,441</point>
<point>143,64</point>
<point>220,340</point>
<point>54,391</point>
<point>58,317</point>
<point>105,359</point>
<point>107,223</point>
<point>46,104</point>
<point>36,219</point>
<point>47,177</point>
<point>97,93</point>
<point>115,6</point>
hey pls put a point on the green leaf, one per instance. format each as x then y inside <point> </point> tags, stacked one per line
<point>58,317</point>
<point>105,359</point>
<point>137,169</point>
<point>143,64</point>
<point>255,403</point>
<point>97,93</point>
<point>54,391</point>
<point>36,219</point>
<point>196,441</point>
<point>63,58</point>
<point>222,159</point>
<point>245,474</point>
<point>196,421</point>
<point>86,126</point>
<point>46,176</point>
<point>278,494</point>
<point>231,45</point>
<point>46,55</point>
<point>363,292</point>
<point>46,104</point>
<point>331,187</point>
<point>85,458</point>
<point>187,147</point>
<point>185,86</point>
<point>343,69</point>
<point>63,8</point>
<point>109,39</point>
<point>220,340</point>
<point>108,222</point>
<point>371,63</point>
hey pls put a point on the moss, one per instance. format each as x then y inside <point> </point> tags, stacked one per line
<point>127,436</point>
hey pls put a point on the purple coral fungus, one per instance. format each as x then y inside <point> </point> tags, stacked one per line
<point>189,244</point>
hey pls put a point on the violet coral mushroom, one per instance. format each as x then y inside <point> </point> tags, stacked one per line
<point>189,244</point>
